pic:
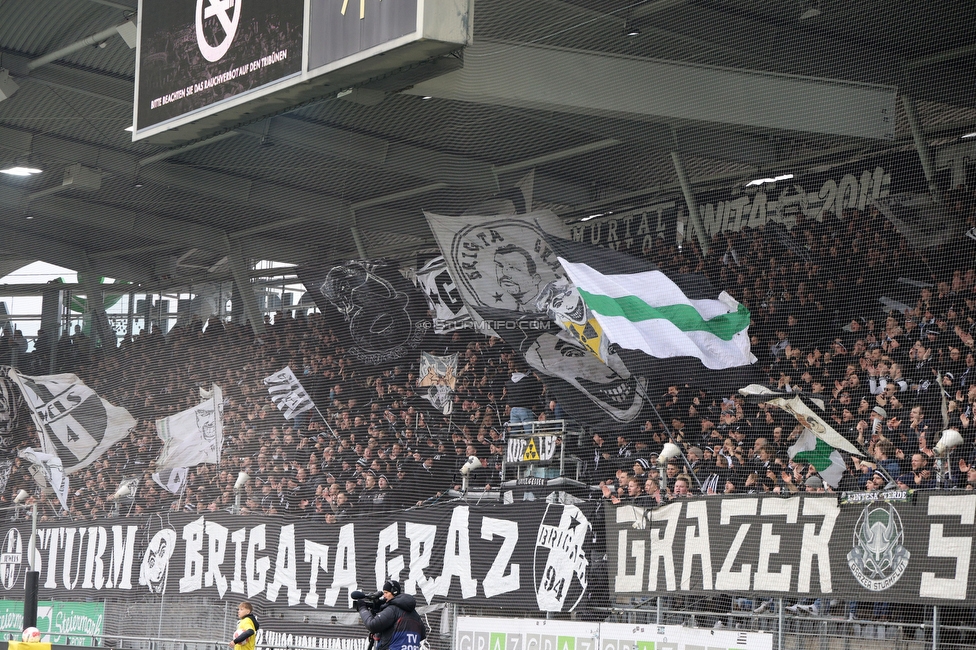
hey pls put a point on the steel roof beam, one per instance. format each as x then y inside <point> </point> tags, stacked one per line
<point>16,240</point>
<point>592,83</point>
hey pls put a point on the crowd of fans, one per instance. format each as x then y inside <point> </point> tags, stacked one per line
<point>891,381</point>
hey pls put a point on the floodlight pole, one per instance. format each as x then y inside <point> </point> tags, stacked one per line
<point>32,542</point>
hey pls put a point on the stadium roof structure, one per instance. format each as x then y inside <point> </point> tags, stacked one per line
<point>594,95</point>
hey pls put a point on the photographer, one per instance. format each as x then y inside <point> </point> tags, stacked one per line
<point>394,623</point>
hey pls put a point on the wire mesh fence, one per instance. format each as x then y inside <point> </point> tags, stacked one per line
<point>798,356</point>
<point>199,624</point>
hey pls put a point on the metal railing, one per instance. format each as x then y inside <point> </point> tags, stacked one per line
<point>561,430</point>
<point>831,626</point>
<point>914,627</point>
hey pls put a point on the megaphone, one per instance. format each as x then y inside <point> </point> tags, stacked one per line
<point>473,463</point>
<point>670,451</point>
<point>242,479</point>
<point>123,491</point>
<point>950,438</point>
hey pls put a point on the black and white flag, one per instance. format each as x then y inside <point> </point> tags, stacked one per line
<point>438,377</point>
<point>378,312</point>
<point>6,466</point>
<point>287,393</point>
<point>73,423</point>
<point>172,480</point>
<point>499,262</point>
<point>193,436</point>
<point>128,487</point>
<point>50,468</point>
<point>10,400</point>
<point>443,297</point>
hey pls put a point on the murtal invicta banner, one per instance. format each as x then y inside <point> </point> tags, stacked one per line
<point>815,195</point>
<point>894,547</point>
<point>518,555</point>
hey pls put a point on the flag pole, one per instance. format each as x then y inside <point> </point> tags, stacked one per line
<point>671,438</point>
<point>325,422</point>
<point>179,498</point>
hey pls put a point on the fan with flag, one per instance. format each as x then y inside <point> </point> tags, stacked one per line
<point>818,444</point>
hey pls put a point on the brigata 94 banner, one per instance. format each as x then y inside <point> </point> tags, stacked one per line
<point>531,554</point>
<point>892,546</point>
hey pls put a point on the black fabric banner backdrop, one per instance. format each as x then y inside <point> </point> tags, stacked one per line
<point>378,313</point>
<point>503,556</point>
<point>913,548</point>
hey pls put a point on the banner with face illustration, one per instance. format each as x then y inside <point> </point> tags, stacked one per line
<point>373,307</point>
<point>896,546</point>
<point>193,436</point>
<point>483,556</point>
<point>437,379</point>
<point>499,262</point>
<point>606,395</point>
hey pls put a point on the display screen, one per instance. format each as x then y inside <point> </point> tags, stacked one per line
<point>196,53</point>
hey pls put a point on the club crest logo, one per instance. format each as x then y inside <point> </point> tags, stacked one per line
<point>879,557</point>
<point>560,569</point>
<point>564,305</point>
<point>10,559</point>
<point>225,24</point>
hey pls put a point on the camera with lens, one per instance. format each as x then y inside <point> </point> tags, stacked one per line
<point>373,601</point>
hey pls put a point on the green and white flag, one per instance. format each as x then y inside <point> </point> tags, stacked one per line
<point>819,444</point>
<point>639,307</point>
<point>801,407</point>
<point>828,461</point>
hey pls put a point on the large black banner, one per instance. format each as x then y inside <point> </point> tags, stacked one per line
<point>913,548</point>
<point>341,29</point>
<point>372,307</point>
<point>529,555</point>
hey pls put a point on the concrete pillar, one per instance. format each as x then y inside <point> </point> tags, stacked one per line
<point>242,281</point>
<point>102,330</point>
